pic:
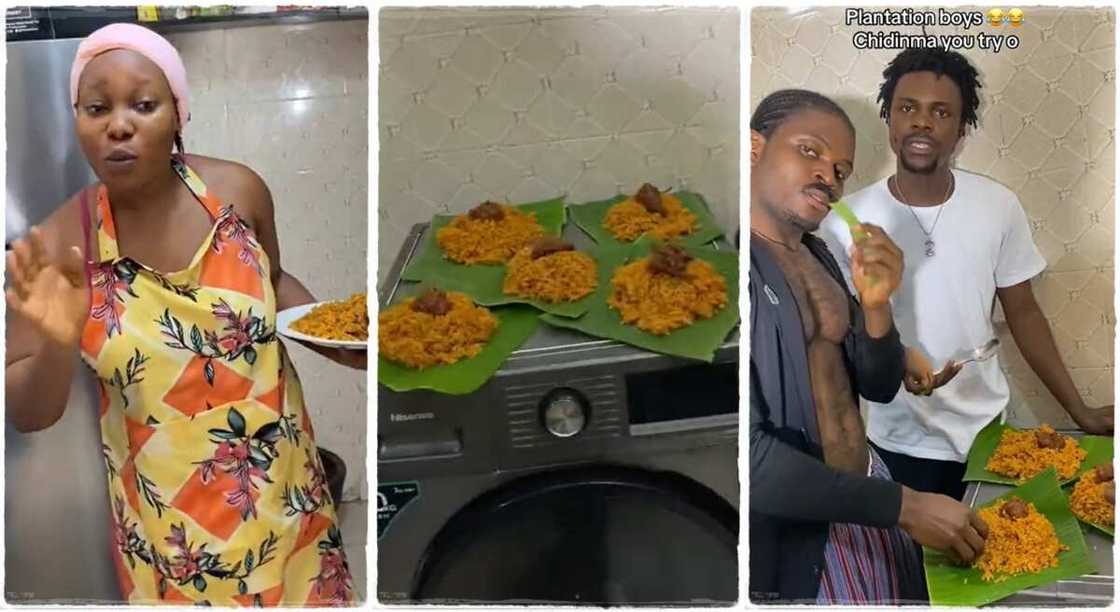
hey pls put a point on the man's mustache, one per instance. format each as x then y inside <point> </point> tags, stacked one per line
<point>832,197</point>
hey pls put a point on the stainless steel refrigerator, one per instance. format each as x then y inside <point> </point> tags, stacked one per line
<point>57,523</point>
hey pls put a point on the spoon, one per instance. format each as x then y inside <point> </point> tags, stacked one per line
<point>978,354</point>
<point>981,353</point>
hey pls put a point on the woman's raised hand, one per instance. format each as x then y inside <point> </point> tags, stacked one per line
<point>50,293</point>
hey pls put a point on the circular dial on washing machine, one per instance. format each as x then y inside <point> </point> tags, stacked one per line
<point>564,412</point>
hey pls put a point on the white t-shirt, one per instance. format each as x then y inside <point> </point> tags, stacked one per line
<point>945,304</point>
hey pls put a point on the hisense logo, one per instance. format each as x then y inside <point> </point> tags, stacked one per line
<point>398,417</point>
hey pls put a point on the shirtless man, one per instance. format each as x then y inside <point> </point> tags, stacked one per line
<point>822,501</point>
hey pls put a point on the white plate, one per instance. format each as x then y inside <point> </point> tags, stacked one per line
<point>285,318</point>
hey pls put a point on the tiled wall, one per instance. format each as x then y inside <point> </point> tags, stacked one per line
<point>526,104</point>
<point>291,102</point>
<point>1046,131</point>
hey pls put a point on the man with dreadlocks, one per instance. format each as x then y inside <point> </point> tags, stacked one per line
<point>827,522</point>
<point>967,241</point>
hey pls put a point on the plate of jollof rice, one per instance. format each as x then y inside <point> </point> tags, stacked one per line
<point>454,348</point>
<point>1008,455</point>
<point>337,324</point>
<point>702,309</point>
<point>1032,541</point>
<point>620,220</point>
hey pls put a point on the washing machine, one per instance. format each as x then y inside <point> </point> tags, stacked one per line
<point>585,471</point>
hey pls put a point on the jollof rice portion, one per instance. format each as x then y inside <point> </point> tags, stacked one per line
<point>344,320</point>
<point>565,276</point>
<point>1088,501</point>
<point>1019,455</point>
<point>628,220</point>
<point>422,340</point>
<point>473,241</point>
<point>661,303</point>
<point>1022,545</point>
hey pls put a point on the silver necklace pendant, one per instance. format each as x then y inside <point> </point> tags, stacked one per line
<point>944,200</point>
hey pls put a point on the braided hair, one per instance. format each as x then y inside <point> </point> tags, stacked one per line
<point>784,103</point>
<point>938,61</point>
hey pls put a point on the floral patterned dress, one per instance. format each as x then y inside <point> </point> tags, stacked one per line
<point>216,486</point>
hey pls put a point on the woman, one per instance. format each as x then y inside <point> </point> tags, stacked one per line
<point>165,277</point>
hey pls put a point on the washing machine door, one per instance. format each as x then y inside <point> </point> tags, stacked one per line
<point>599,535</point>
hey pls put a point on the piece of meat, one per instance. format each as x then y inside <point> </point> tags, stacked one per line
<point>1110,492</point>
<point>547,245</point>
<point>1047,439</point>
<point>669,259</point>
<point>1014,509</point>
<point>489,211</point>
<point>433,302</point>
<point>650,199</point>
<point>1104,472</point>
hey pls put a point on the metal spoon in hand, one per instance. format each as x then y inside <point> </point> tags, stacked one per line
<point>978,354</point>
<point>982,353</point>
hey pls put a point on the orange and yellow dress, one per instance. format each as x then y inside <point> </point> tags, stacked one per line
<point>215,482</point>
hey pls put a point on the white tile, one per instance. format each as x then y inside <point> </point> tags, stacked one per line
<point>524,132</point>
<point>612,108</point>
<point>516,85</point>
<point>593,184</point>
<point>489,119</point>
<point>435,182</point>
<point>551,114</point>
<point>451,94</point>
<point>540,52</point>
<point>1031,147</point>
<point>624,162</point>
<point>204,56</point>
<point>534,189</point>
<point>506,37</point>
<point>576,80</point>
<point>706,67</point>
<point>413,66</point>
<point>477,58</point>
<point>584,126</point>
<point>497,174</point>
<point>676,100</point>
<point>296,61</point>
<point>425,126</point>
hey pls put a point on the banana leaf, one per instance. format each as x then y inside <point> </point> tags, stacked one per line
<point>589,217</point>
<point>1098,450</point>
<point>696,341</point>
<point>484,282</point>
<point>955,585</point>
<point>515,324</point>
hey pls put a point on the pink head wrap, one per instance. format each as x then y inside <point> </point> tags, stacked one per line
<point>143,41</point>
